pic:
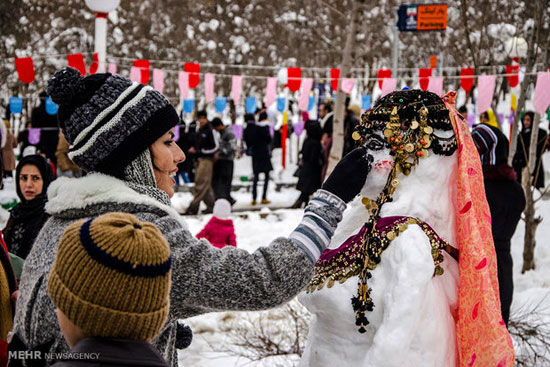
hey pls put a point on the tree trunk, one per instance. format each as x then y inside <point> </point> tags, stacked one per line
<point>338,119</point>
<point>530,225</point>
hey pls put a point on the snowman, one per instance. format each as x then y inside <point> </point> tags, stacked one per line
<point>410,275</point>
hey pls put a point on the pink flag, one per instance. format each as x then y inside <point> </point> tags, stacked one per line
<point>388,86</point>
<point>209,87</point>
<point>435,85</point>
<point>158,80</point>
<point>305,88</point>
<point>485,91</point>
<point>236,85</point>
<point>183,82</point>
<point>541,100</point>
<point>135,74</point>
<point>347,85</point>
<point>270,91</point>
<point>112,68</point>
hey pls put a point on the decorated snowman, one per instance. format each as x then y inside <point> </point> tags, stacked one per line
<point>410,275</point>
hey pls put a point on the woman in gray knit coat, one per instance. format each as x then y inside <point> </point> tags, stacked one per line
<point>121,133</point>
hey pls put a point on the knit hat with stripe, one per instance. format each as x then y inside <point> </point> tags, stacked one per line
<point>108,120</point>
<point>111,277</point>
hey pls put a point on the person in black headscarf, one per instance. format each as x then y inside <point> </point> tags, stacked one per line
<point>521,158</point>
<point>33,176</point>
<point>309,179</point>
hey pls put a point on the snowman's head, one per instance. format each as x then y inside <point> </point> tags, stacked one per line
<point>401,129</point>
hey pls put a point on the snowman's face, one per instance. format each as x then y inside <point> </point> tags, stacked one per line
<point>376,145</point>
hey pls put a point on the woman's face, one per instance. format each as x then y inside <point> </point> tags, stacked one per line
<point>30,181</point>
<point>527,121</point>
<point>166,155</point>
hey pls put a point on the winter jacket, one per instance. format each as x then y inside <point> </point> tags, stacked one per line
<point>64,163</point>
<point>219,232</point>
<point>8,285</point>
<point>8,155</point>
<point>309,179</point>
<point>258,139</point>
<point>227,144</point>
<point>207,144</point>
<point>112,353</point>
<point>204,278</point>
<point>522,155</point>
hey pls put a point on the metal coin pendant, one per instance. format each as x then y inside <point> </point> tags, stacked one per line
<point>414,124</point>
<point>409,147</point>
<point>356,135</point>
<point>428,130</point>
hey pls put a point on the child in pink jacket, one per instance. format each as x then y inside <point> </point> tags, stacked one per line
<point>219,231</point>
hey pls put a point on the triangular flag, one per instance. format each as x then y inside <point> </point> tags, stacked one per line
<point>236,87</point>
<point>16,104</point>
<point>388,86</point>
<point>383,73</point>
<point>541,99</point>
<point>158,80</point>
<point>347,85</point>
<point>176,132</point>
<point>334,76</point>
<point>188,105</point>
<point>34,136</point>
<point>435,85</point>
<point>209,87</point>
<point>270,91</point>
<point>366,101</point>
<point>485,91</point>
<point>143,66</point>
<point>183,83</point>
<point>512,75</point>
<point>423,77</point>
<point>513,102</point>
<point>111,68</point>
<point>77,61</point>
<point>250,104</point>
<point>303,102</point>
<point>51,107</point>
<point>220,103</point>
<point>281,104</point>
<point>25,69</point>
<point>135,74</point>
<point>311,103</point>
<point>467,79</point>
<point>95,63</point>
<point>294,79</point>
<point>237,131</point>
<point>193,69</point>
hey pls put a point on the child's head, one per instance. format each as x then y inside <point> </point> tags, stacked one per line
<point>222,209</point>
<point>111,279</point>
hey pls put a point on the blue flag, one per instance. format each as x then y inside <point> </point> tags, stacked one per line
<point>51,107</point>
<point>188,105</point>
<point>16,105</point>
<point>366,100</point>
<point>280,104</point>
<point>250,104</point>
<point>220,104</point>
<point>310,103</point>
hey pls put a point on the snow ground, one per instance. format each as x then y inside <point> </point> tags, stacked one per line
<point>255,228</point>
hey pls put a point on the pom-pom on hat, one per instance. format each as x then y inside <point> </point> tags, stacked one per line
<point>108,120</point>
<point>111,277</point>
<point>222,209</point>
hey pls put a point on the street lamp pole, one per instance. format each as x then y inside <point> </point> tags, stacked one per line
<point>101,8</point>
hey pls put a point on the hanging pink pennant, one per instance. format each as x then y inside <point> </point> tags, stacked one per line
<point>347,85</point>
<point>209,87</point>
<point>541,99</point>
<point>111,68</point>
<point>270,91</point>
<point>485,91</point>
<point>305,88</point>
<point>25,69</point>
<point>435,85</point>
<point>158,79</point>
<point>388,86</point>
<point>236,86</point>
<point>183,82</point>
<point>135,74</point>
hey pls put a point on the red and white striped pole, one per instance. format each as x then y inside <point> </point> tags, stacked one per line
<point>101,8</point>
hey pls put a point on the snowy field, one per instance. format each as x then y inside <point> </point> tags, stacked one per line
<point>254,228</point>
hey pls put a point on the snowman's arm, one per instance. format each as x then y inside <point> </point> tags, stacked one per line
<point>409,259</point>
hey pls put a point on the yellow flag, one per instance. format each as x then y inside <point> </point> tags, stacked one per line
<point>514,102</point>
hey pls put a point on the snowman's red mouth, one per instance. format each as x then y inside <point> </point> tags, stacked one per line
<point>383,166</point>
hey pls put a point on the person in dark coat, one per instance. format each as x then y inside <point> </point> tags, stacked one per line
<point>107,310</point>
<point>188,139</point>
<point>506,202</point>
<point>33,176</point>
<point>49,136</point>
<point>521,158</point>
<point>258,140</point>
<point>223,167</point>
<point>309,179</point>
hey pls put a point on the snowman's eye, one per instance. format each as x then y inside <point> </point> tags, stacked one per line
<point>375,143</point>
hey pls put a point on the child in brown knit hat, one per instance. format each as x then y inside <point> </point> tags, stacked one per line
<point>110,283</point>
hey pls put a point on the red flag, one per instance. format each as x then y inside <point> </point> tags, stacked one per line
<point>143,66</point>
<point>513,80</point>
<point>77,61</point>
<point>193,69</point>
<point>424,78</point>
<point>95,64</point>
<point>334,75</point>
<point>25,69</point>
<point>294,79</point>
<point>383,73</point>
<point>467,79</point>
